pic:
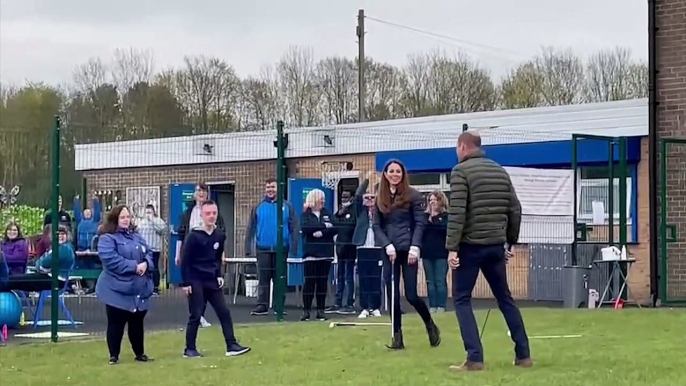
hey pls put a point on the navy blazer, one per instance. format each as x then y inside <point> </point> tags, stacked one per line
<point>309,225</point>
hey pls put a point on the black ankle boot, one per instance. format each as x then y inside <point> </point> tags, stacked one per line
<point>434,334</point>
<point>397,343</point>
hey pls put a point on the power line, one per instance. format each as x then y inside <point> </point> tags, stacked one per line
<point>498,51</point>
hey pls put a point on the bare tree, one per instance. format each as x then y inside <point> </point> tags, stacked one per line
<point>90,75</point>
<point>563,76</point>
<point>607,75</point>
<point>338,81</point>
<point>300,88</point>
<point>132,66</point>
<point>209,89</point>
<point>260,101</point>
<point>385,86</point>
<point>458,85</point>
<point>637,80</point>
<point>417,74</point>
<point>522,87</point>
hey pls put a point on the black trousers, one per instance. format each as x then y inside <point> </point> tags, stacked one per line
<point>117,320</point>
<point>31,282</point>
<point>490,260</point>
<point>266,273</point>
<point>409,273</point>
<point>156,271</point>
<point>316,284</point>
<point>201,294</point>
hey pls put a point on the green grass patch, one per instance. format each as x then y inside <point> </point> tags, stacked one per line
<point>628,347</point>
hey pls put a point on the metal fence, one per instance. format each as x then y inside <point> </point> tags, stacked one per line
<point>238,169</point>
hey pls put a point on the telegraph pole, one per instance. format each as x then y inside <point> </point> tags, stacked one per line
<point>362,87</point>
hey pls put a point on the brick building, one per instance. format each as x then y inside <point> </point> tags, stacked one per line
<point>238,163</point>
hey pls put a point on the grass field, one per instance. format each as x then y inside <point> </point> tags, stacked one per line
<point>628,347</point>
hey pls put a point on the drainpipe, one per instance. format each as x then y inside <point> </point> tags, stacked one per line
<point>653,154</point>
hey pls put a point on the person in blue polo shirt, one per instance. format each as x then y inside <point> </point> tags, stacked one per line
<point>262,233</point>
<point>201,272</point>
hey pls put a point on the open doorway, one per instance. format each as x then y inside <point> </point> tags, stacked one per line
<point>224,195</point>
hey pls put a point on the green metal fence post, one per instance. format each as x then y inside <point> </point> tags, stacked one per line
<point>281,253</point>
<point>55,217</point>
<point>663,222</point>
<point>575,168</point>
<point>611,194</point>
<point>622,193</point>
<point>622,203</point>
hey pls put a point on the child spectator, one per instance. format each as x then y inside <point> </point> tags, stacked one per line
<point>41,280</point>
<point>87,220</point>
<point>63,217</point>
<point>15,250</point>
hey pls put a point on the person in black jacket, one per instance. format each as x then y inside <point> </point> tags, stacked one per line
<point>346,252</point>
<point>201,273</point>
<point>368,250</point>
<point>316,225</point>
<point>399,227</point>
<point>434,254</point>
<point>63,216</point>
<point>190,218</point>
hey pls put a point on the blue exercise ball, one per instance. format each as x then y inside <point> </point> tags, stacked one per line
<point>10,309</point>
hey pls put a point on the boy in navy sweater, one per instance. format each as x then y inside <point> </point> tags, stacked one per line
<point>203,281</point>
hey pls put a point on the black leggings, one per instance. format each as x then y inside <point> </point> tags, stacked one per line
<point>409,276</point>
<point>316,283</point>
<point>117,319</point>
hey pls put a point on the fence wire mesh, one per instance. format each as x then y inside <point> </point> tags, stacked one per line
<point>104,168</point>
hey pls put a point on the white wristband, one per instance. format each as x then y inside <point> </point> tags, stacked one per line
<point>390,249</point>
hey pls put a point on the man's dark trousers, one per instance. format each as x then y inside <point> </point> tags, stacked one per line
<point>266,272</point>
<point>490,259</point>
<point>201,294</point>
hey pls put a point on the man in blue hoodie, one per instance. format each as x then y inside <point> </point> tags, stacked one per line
<point>261,232</point>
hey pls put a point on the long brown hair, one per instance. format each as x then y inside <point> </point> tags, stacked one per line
<point>112,221</point>
<point>402,193</point>
<point>442,201</point>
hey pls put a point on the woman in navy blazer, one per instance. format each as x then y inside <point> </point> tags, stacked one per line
<point>125,284</point>
<point>316,225</point>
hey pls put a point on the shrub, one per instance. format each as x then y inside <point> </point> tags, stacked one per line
<point>29,218</point>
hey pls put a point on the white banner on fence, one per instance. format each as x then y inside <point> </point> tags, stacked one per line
<point>544,192</point>
<point>547,199</point>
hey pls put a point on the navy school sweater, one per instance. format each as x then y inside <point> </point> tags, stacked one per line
<point>201,258</point>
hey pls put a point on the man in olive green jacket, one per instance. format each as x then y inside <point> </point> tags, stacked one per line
<point>483,223</point>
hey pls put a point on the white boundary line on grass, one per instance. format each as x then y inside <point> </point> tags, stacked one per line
<point>550,336</point>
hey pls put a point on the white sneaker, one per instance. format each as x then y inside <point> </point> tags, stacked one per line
<point>204,323</point>
<point>440,309</point>
<point>364,314</point>
<point>376,313</point>
<point>432,309</point>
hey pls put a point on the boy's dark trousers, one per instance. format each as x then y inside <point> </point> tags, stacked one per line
<point>201,294</point>
<point>490,260</point>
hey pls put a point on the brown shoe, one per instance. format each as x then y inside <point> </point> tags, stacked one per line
<point>524,363</point>
<point>468,366</point>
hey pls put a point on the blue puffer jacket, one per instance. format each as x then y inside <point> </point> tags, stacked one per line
<point>118,285</point>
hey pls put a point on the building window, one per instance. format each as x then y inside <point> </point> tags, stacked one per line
<point>597,190</point>
<point>424,179</point>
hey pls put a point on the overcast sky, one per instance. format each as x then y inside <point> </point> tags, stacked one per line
<point>43,40</point>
